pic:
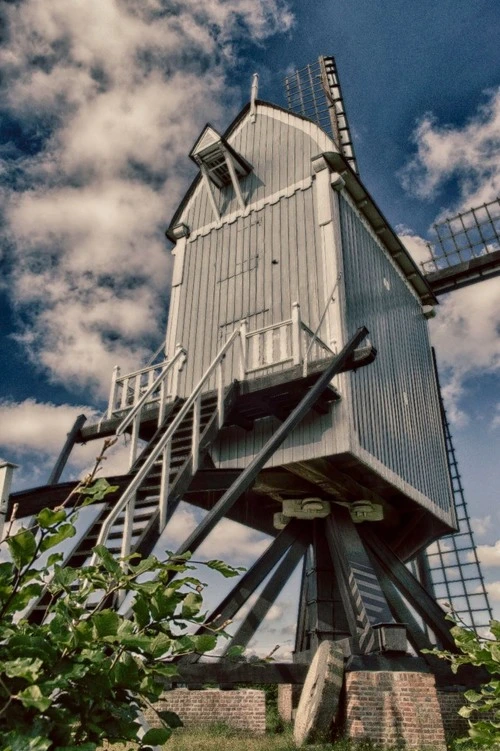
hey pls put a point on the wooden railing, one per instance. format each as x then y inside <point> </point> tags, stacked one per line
<point>289,342</point>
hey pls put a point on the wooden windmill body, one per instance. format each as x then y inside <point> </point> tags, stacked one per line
<point>298,395</point>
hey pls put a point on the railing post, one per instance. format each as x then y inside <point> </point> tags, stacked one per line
<point>133,439</point>
<point>164,486</point>
<point>178,370</point>
<point>112,392</point>
<point>296,334</point>
<point>195,442</point>
<point>128,523</point>
<point>220,394</point>
<point>243,348</point>
<point>6,472</point>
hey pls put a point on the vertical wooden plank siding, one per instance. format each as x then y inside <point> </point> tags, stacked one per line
<point>395,401</point>
<point>256,264</point>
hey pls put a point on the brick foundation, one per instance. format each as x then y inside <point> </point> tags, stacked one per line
<point>244,709</point>
<point>288,700</point>
<point>393,708</point>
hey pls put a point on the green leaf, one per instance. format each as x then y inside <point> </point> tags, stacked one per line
<point>108,561</point>
<point>160,645</point>
<point>63,532</point>
<point>191,604</point>
<point>156,736</point>
<point>65,576</point>
<point>98,490</point>
<point>106,623</point>
<point>23,667</point>
<point>205,642</point>
<point>54,558</point>
<point>171,719</point>
<point>48,517</point>
<point>141,611</point>
<point>22,547</point>
<point>224,568</point>
<point>33,697</point>
<point>235,651</point>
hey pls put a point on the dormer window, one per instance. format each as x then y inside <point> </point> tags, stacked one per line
<point>219,164</point>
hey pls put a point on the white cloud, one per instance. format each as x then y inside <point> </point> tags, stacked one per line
<point>489,555</point>
<point>415,245</point>
<point>493,591</point>
<point>114,94</point>
<point>465,330</point>
<point>481,526</point>
<point>33,433</point>
<point>465,334</point>
<point>31,426</point>
<point>468,153</point>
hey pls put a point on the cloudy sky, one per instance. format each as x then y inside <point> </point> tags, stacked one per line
<point>101,101</point>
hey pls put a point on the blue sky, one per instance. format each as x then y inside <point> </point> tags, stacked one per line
<point>101,102</point>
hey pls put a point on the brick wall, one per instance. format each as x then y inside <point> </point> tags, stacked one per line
<point>450,702</point>
<point>393,708</point>
<point>243,709</point>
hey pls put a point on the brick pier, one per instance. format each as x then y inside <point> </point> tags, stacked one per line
<point>243,709</point>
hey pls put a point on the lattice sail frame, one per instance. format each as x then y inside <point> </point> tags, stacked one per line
<point>315,93</point>
<point>459,239</point>
<point>452,561</point>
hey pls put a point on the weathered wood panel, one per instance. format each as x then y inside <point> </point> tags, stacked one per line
<point>395,400</point>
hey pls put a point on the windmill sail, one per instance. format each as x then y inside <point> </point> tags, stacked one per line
<point>466,249</point>
<point>451,567</point>
<point>315,93</point>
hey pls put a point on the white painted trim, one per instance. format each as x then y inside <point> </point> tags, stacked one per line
<point>179,253</point>
<point>208,186</point>
<point>234,177</point>
<point>329,251</point>
<point>324,142</point>
<point>252,207</point>
<point>173,316</point>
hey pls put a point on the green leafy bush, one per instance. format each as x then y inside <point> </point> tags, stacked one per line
<point>87,672</point>
<point>483,705</point>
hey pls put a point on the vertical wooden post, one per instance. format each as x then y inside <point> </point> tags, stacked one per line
<point>178,369</point>
<point>195,443</point>
<point>133,439</point>
<point>243,348</point>
<point>164,486</point>
<point>112,392</point>
<point>296,334</point>
<point>220,394</point>
<point>6,472</point>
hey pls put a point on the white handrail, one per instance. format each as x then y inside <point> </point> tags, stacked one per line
<point>133,487</point>
<point>315,335</point>
<point>138,406</point>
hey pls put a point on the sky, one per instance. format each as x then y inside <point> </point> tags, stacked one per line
<point>100,103</point>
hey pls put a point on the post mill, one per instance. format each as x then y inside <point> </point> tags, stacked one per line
<point>298,394</point>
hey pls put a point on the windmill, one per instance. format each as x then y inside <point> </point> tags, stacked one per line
<point>298,395</point>
<point>466,250</point>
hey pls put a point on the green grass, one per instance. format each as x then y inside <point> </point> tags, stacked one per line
<point>222,738</point>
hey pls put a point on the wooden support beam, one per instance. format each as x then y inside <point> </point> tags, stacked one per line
<point>251,580</point>
<point>332,481</point>
<point>63,457</point>
<point>412,590</point>
<point>250,473</point>
<point>330,620</point>
<point>268,595</point>
<point>368,599</point>
<point>233,673</point>
<point>302,631</point>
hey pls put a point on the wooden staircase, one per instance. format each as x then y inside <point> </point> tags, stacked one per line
<point>145,529</point>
